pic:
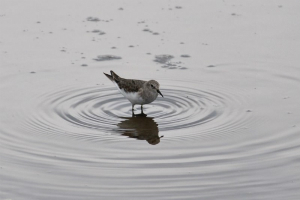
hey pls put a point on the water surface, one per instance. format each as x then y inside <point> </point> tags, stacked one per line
<point>227,127</point>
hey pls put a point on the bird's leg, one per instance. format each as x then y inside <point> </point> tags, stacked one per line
<point>132,110</point>
<point>142,114</point>
<point>139,115</point>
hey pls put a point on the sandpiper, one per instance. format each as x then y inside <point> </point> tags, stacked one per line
<point>136,91</point>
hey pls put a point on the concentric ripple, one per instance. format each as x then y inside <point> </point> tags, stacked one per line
<point>83,142</point>
<point>183,112</point>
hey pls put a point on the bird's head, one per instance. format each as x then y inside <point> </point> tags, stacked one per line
<point>153,85</point>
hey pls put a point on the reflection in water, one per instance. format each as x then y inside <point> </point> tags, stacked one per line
<point>141,128</point>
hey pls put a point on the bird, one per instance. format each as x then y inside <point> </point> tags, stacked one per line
<point>138,92</point>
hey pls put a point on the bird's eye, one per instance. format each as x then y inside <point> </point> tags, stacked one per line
<point>152,86</point>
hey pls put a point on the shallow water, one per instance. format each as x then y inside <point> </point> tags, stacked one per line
<point>224,129</point>
<point>210,141</point>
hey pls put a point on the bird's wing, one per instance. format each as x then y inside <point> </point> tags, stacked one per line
<point>128,85</point>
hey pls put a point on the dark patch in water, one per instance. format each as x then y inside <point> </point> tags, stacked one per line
<point>32,72</point>
<point>166,61</point>
<point>93,19</point>
<point>234,14</point>
<point>84,65</point>
<point>150,31</point>
<point>98,31</point>
<point>162,59</point>
<point>211,66</point>
<point>173,65</point>
<point>107,57</point>
<point>185,56</point>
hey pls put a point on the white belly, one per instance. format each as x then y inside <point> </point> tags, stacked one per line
<point>133,97</point>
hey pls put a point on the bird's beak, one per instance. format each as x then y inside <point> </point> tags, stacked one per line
<point>159,93</point>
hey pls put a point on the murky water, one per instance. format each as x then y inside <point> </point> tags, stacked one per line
<point>228,126</point>
<point>204,139</point>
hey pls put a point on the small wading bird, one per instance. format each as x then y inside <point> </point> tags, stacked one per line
<point>136,91</point>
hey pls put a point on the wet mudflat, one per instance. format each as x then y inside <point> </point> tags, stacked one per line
<point>227,127</point>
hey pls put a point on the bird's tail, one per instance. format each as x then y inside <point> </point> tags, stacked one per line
<point>113,77</point>
<point>109,76</point>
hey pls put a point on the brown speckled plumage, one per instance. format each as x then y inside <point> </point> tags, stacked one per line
<point>129,85</point>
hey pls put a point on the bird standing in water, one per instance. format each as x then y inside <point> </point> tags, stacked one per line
<point>136,91</point>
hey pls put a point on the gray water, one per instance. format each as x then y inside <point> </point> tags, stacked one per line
<point>218,142</point>
<point>227,128</point>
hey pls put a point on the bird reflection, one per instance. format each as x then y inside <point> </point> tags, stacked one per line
<point>140,127</point>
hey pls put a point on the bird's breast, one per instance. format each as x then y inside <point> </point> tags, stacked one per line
<point>133,97</point>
